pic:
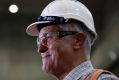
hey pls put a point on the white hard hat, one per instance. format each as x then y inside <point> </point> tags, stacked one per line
<point>68,9</point>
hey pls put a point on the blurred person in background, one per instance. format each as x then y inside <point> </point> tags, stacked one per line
<point>65,33</point>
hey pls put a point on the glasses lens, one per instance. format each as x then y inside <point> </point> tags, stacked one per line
<point>38,40</point>
<point>66,33</point>
<point>53,35</point>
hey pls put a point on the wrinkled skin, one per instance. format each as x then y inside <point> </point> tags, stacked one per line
<point>59,55</point>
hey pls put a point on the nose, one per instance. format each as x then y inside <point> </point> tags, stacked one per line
<point>42,48</point>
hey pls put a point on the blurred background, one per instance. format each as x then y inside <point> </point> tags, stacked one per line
<point>18,57</point>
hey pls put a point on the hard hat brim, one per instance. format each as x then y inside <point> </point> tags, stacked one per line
<point>32,29</point>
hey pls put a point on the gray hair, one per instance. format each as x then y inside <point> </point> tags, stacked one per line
<point>79,27</point>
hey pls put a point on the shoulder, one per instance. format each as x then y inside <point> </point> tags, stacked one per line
<point>100,74</point>
<point>107,77</point>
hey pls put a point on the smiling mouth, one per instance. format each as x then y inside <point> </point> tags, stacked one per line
<point>46,56</point>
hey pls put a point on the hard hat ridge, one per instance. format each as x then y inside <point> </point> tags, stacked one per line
<point>65,0</point>
<point>68,9</point>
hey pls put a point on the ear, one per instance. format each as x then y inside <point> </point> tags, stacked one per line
<point>79,40</point>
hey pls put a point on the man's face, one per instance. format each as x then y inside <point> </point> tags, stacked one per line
<point>56,52</point>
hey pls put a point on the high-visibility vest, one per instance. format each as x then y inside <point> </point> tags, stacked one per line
<point>95,75</point>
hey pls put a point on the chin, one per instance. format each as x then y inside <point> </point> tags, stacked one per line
<point>47,66</point>
<point>47,70</point>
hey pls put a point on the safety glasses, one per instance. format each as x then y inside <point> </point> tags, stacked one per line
<point>53,36</point>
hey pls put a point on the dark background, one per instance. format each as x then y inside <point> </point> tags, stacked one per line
<point>18,57</point>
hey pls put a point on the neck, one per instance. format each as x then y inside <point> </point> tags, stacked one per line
<point>62,76</point>
<point>60,73</point>
<point>77,60</point>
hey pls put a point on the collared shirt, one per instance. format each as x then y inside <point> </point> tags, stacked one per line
<point>82,70</point>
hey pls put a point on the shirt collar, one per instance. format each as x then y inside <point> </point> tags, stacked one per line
<point>81,70</point>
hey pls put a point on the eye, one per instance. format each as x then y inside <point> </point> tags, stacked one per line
<point>45,34</point>
<point>51,35</point>
<point>48,35</point>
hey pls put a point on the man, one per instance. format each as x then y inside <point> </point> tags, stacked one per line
<point>65,33</point>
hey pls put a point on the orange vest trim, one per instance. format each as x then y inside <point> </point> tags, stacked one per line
<point>94,75</point>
